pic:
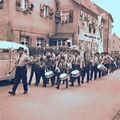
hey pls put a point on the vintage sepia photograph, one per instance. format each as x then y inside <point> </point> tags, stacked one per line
<point>59,60</point>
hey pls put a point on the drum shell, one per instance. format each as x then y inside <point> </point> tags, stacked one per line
<point>75,73</point>
<point>64,76</point>
<point>102,68</point>
<point>49,74</point>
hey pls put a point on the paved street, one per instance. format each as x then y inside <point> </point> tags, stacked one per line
<point>98,100</point>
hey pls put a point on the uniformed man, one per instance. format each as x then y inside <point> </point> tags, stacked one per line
<point>50,66</point>
<point>21,71</point>
<point>76,66</point>
<point>94,63</point>
<point>41,72</point>
<point>62,65</point>
<point>33,68</point>
<point>86,65</point>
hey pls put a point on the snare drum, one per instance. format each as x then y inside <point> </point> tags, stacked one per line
<point>64,76</point>
<point>102,68</point>
<point>75,73</point>
<point>49,74</point>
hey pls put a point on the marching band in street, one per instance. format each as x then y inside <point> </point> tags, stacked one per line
<point>67,67</point>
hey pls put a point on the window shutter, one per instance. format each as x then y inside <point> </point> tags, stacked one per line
<point>18,5</point>
<point>1,4</point>
<point>71,16</point>
<point>41,10</point>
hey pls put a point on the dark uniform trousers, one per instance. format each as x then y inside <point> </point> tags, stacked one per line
<point>85,70</point>
<point>33,70</point>
<point>99,73</point>
<point>59,80</point>
<point>72,79</point>
<point>94,71</point>
<point>40,73</point>
<point>53,77</point>
<point>21,74</point>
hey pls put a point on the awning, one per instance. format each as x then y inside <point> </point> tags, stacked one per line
<point>61,36</point>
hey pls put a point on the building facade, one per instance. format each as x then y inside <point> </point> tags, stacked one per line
<point>29,22</point>
<point>114,46</point>
<point>81,24</point>
<point>55,23</point>
<point>107,26</point>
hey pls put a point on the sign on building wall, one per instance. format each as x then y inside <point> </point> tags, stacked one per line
<point>91,30</point>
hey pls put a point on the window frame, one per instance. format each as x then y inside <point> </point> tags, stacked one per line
<point>41,41</point>
<point>65,18</point>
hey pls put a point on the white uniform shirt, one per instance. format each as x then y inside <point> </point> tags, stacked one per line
<point>22,60</point>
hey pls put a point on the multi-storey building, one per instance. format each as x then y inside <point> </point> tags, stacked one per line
<point>80,25</point>
<point>55,23</point>
<point>114,46</point>
<point>29,22</point>
<point>107,26</point>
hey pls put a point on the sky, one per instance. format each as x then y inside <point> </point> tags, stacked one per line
<point>113,7</point>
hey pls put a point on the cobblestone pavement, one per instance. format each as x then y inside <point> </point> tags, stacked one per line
<point>97,100</point>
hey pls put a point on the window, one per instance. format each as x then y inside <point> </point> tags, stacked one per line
<point>94,30</point>
<point>24,6</point>
<point>81,15</point>
<point>40,42</point>
<point>1,4</point>
<point>90,28</point>
<point>46,11</point>
<point>67,16</point>
<point>24,40</point>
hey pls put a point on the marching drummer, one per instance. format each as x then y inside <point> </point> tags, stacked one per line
<point>33,68</point>
<point>50,66</point>
<point>86,62</point>
<point>41,72</point>
<point>94,63</point>
<point>76,66</point>
<point>106,62</point>
<point>62,65</point>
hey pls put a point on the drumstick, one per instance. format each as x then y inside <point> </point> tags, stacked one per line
<point>12,70</point>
